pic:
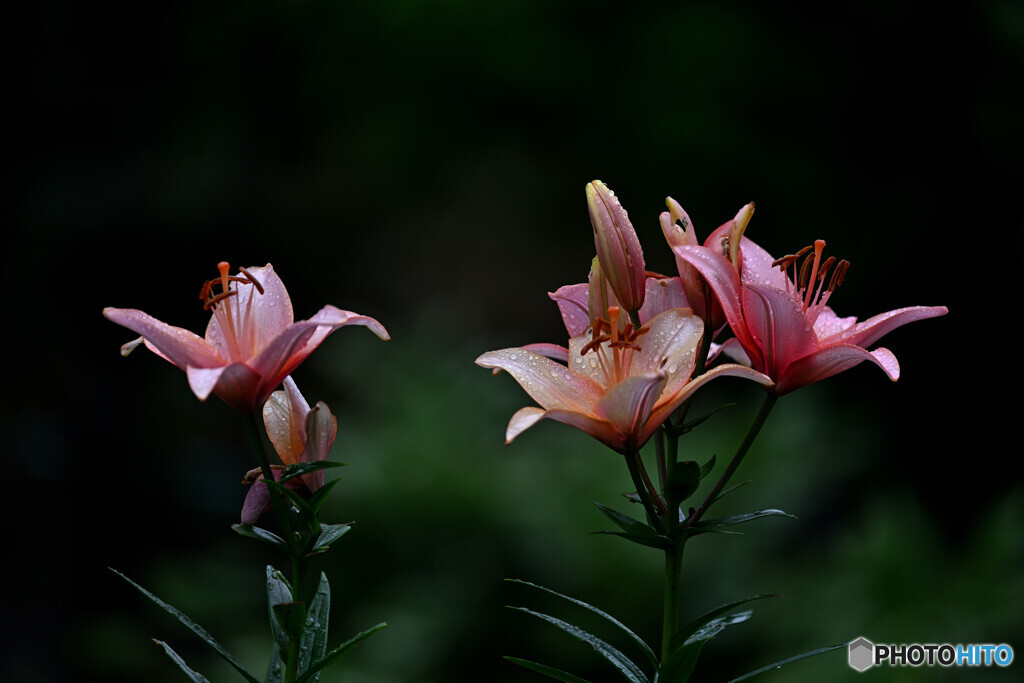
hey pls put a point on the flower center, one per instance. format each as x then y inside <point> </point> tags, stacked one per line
<point>808,279</point>
<point>613,347</point>
<point>233,322</point>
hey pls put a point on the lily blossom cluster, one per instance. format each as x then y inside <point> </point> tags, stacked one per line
<point>299,434</point>
<point>778,313</point>
<point>252,341</point>
<point>635,335</point>
<point>620,379</point>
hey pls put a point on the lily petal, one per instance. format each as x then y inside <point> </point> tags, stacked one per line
<point>871,330</point>
<point>778,326</point>
<point>572,303</point>
<point>629,403</point>
<point>177,345</point>
<point>550,384</point>
<point>831,360</point>
<point>321,431</point>
<point>284,416</point>
<point>234,383</point>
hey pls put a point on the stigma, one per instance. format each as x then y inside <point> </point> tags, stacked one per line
<point>614,346</point>
<point>232,311</point>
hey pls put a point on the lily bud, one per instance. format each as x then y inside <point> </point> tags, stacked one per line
<point>618,248</point>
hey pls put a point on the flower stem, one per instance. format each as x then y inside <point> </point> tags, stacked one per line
<point>670,608</point>
<point>642,483</point>
<point>748,440</point>
<point>295,554</point>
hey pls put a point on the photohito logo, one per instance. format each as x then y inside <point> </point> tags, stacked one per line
<point>863,654</point>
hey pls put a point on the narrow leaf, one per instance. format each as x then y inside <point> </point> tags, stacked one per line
<point>300,468</point>
<point>317,500</point>
<point>547,671</point>
<point>687,632</point>
<point>192,626</point>
<point>291,616</point>
<point>636,530</point>
<point>313,645</point>
<point>659,542</point>
<point>278,592</point>
<point>795,658</point>
<point>696,422</point>
<point>604,615</point>
<point>717,523</point>
<point>680,664</point>
<point>706,468</point>
<point>337,653</point>
<point>620,661</point>
<point>194,676</point>
<point>329,533</point>
<point>259,534</point>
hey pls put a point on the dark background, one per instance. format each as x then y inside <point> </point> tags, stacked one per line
<point>424,163</point>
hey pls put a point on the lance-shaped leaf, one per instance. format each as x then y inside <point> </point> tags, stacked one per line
<point>278,593</point>
<point>633,529</point>
<point>548,671</point>
<point>716,524</point>
<point>626,667</point>
<point>337,653</point>
<point>301,468</point>
<point>604,615</point>
<point>313,645</point>
<point>192,626</point>
<point>329,533</point>
<point>790,660</point>
<point>194,676</point>
<point>259,534</point>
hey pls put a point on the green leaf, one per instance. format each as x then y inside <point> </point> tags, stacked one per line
<point>275,670</point>
<point>196,677</point>
<point>693,424</point>
<point>680,664</point>
<point>706,468</point>
<point>683,659</point>
<point>547,671</point>
<point>634,529</point>
<point>715,524</point>
<point>687,633</point>
<point>790,660</point>
<point>329,533</point>
<point>192,626</point>
<point>683,481</point>
<point>620,661</point>
<point>300,468</point>
<point>337,653</point>
<point>313,645</point>
<point>604,615</point>
<point>259,534</point>
<point>278,593</point>
<point>291,617</point>
<point>317,500</point>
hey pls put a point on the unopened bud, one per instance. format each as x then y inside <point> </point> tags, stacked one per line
<point>618,248</point>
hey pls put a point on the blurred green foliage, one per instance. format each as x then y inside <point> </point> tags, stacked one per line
<point>423,162</point>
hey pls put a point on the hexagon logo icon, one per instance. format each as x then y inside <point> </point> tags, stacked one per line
<point>861,654</point>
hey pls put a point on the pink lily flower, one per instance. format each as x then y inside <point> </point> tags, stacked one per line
<point>782,324</point>
<point>620,383</point>
<point>252,342</point>
<point>299,434</point>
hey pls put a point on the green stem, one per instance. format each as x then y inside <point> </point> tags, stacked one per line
<point>670,608</point>
<point>296,554</point>
<point>748,440</point>
<point>635,465</point>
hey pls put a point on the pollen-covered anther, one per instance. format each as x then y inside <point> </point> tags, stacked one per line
<point>209,298</point>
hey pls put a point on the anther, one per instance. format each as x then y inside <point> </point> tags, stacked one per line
<point>208,304</point>
<point>250,278</point>
<point>805,271</point>
<point>823,270</point>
